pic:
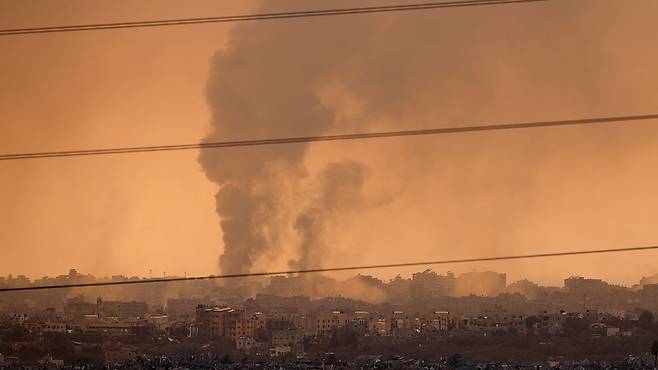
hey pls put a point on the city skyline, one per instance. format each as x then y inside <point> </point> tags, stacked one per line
<point>452,184</point>
<point>74,275</point>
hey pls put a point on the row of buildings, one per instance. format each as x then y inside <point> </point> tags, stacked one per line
<point>285,326</point>
<point>282,333</point>
<point>287,332</point>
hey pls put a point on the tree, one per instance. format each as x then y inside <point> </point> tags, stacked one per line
<point>646,320</point>
<point>654,351</point>
<point>574,326</point>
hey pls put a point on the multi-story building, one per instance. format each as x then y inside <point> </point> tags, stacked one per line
<point>235,324</point>
<point>76,308</point>
<point>327,322</point>
<point>399,289</point>
<point>121,309</point>
<point>492,321</point>
<point>210,321</point>
<point>429,284</point>
<point>304,321</point>
<point>214,322</point>
<point>360,323</point>
<point>292,338</point>
<point>579,284</point>
<point>254,323</point>
<point>486,283</point>
<point>379,326</point>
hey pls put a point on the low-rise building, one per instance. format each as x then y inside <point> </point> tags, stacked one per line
<point>108,326</point>
<point>379,326</point>
<point>440,321</point>
<point>402,324</point>
<point>53,327</point>
<point>492,321</point>
<point>551,322</point>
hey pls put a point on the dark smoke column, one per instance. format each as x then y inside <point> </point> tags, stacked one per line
<point>262,86</point>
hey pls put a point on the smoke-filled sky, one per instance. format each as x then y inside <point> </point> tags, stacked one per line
<point>392,200</point>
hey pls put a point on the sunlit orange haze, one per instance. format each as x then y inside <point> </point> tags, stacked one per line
<point>453,196</point>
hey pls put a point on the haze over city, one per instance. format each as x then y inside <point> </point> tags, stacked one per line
<point>452,196</point>
<point>314,205</point>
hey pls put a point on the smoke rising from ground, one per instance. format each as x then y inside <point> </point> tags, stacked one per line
<point>477,194</point>
<point>256,92</point>
<point>340,195</point>
<point>262,86</point>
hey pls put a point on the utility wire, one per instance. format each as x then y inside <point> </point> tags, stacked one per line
<point>308,139</point>
<point>262,16</point>
<point>333,269</point>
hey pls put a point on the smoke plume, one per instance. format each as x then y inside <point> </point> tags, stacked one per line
<point>264,85</point>
<point>340,195</point>
<point>258,89</point>
<point>469,194</point>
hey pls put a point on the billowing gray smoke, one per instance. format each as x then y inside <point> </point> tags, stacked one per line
<point>510,63</point>
<point>339,195</point>
<point>264,85</point>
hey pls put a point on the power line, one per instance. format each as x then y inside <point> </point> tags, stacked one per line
<point>262,16</point>
<point>333,269</point>
<point>308,139</point>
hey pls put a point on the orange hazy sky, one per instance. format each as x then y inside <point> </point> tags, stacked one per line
<point>446,197</point>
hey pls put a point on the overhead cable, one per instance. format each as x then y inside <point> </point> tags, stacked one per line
<point>262,16</point>
<point>320,138</point>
